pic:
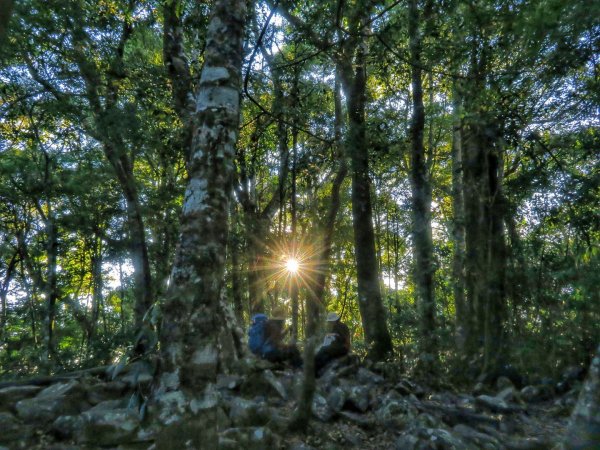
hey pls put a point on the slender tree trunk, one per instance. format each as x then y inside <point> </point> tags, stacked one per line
<point>370,303</point>
<point>8,276</point>
<point>421,202</point>
<point>194,341</point>
<point>316,292</point>
<point>97,286</point>
<point>294,280</point>
<point>51,291</point>
<point>458,228</point>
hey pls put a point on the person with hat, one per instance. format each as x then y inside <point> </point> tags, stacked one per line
<point>274,349</point>
<point>335,344</point>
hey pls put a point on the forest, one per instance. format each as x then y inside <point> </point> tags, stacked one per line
<point>427,170</point>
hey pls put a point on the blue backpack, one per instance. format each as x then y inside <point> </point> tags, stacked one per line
<point>256,334</point>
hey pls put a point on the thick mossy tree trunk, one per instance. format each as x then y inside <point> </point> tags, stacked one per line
<point>194,327</point>
<point>584,429</point>
<point>485,246</point>
<point>421,202</point>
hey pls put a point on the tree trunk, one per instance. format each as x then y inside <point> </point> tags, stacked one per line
<point>584,429</point>
<point>194,344</point>
<point>316,292</point>
<point>458,227</point>
<point>97,286</point>
<point>51,291</point>
<point>369,292</point>
<point>8,276</point>
<point>421,203</point>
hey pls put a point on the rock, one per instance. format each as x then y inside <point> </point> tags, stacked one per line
<point>109,427</point>
<point>358,398</point>
<point>395,412</point>
<point>56,400</point>
<point>430,438</point>
<point>247,438</point>
<point>263,383</point>
<point>110,404</point>
<point>480,440</point>
<point>11,429</point>
<point>321,409</point>
<point>537,393</point>
<point>100,392</point>
<point>139,373</point>
<point>275,384</point>
<point>366,377</point>
<point>9,396</point>
<point>245,413</point>
<point>362,420</point>
<point>503,383</point>
<point>230,382</point>
<point>301,446</point>
<point>425,420</point>
<point>65,427</point>
<point>336,398</point>
<point>509,394</point>
<point>495,404</point>
<point>479,388</point>
<point>407,387</point>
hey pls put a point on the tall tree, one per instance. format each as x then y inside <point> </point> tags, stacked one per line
<point>194,316</point>
<point>421,195</point>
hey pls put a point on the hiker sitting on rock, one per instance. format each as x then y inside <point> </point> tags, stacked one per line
<point>335,344</point>
<point>265,339</point>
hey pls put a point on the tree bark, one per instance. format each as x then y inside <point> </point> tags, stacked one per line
<point>458,227</point>
<point>353,73</point>
<point>421,202</point>
<point>194,329</point>
<point>316,292</point>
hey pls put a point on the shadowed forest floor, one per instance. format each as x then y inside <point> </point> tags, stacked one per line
<point>354,407</point>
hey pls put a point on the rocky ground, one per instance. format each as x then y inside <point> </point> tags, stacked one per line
<point>354,407</point>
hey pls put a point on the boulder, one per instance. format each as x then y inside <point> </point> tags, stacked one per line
<point>9,396</point>
<point>366,377</point>
<point>408,387</point>
<point>478,439</point>
<point>430,438</point>
<point>533,394</point>
<point>138,373</point>
<point>108,427</point>
<point>248,438</point>
<point>495,404</point>
<point>65,427</point>
<point>59,399</point>
<point>11,429</point>
<point>336,398</point>
<point>362,420</point>
<point>503,383</point>
<point>321,409</point>
<point>99,392</point>
<point>246,413</point>
<point>395,412</point>
<point>229,382</point>
<point>358,398</point>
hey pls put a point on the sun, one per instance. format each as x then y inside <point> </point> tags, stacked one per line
<point>292,265</point>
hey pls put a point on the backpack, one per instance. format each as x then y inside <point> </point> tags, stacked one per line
<point>256,333</point>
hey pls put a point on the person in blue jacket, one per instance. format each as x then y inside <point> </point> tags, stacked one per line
<point>266,340</point>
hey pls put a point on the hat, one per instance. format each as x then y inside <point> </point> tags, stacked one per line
<point>278,314</point>
<point>333,317</point>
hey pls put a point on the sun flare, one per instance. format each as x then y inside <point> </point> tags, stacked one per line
<point>292,265</point>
